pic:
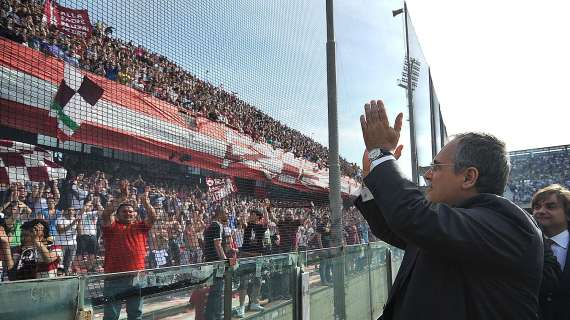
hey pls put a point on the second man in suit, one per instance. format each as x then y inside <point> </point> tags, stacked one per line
<point>551,208</point>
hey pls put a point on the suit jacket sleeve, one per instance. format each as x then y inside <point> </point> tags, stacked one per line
<point>377,223</point>
<point>475,235</point>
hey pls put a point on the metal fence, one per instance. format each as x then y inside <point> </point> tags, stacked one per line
<point>197,115</point>
<point>295,284</point>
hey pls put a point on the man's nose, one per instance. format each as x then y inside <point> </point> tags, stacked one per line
<point>427,174</point>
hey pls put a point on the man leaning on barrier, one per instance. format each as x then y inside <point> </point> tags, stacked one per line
<point>214,242</point>
<point>125,239</point>
<point>469,253</point>
<point>249,281</point>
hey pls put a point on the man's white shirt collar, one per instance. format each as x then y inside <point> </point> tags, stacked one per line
<point>561,239</point>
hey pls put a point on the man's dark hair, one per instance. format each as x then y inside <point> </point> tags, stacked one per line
<point>218,211</point>
<point>562,193</point>
<point>489,155</point>
<point>124,204</point>
<point>29,226</point>
<point>256,212</point>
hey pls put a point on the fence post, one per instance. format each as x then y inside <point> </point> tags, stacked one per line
<point>388,270</point>
<point>83,312</point>
<point>228,275</point>
<point>368,249</point>
<point>304,296</point>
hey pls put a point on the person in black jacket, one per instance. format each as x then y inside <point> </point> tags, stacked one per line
<point>551,208</point>
<point>249,281</point>
<point>214,242</point>
<point>469,253</point>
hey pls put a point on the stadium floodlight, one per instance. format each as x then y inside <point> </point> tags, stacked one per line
<point>414,67</point>
<point>407,82</point>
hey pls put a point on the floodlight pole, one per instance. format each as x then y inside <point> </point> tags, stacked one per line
<point>413,147</point>
<point>335,200</point>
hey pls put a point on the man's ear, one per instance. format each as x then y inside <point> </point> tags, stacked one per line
<point>470,177</point>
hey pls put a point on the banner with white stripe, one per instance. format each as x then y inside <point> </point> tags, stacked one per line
<point>122,118</point>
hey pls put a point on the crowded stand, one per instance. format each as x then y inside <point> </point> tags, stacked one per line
<point>72,212</point>
<point>534,169</point>
<point>154,74</point>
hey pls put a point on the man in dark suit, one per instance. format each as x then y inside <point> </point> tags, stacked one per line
<point>551,208</point>
<point>470,254</point>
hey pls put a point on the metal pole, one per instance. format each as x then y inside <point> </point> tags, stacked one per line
<point>432,117</point>
<point>228,274</point>
<point>368,249</point>
<point>389,278</point>
<point>413,147</point>
<point>334,167</point>
<point>335,201</point>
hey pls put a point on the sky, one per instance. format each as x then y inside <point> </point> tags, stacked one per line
<point>499,66</point>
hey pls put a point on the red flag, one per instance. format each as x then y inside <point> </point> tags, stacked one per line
<point>73,22</point>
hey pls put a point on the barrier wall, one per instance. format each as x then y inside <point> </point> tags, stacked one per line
<point>181,291</point>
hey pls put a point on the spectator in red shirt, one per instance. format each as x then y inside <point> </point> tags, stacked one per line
<point>125,238</point>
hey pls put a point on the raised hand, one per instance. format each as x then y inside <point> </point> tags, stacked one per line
<point>145,196</point>
<point>37,240</point>
<point>124,188</point>
<point>376,130</point>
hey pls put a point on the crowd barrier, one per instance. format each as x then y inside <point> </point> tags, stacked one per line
<point>306,283</point>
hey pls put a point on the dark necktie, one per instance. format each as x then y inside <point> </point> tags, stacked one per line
<point>549,242</point>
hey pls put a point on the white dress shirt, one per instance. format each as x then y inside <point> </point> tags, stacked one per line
<point>560,247</point>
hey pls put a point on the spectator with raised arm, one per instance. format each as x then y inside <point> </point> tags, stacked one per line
<point>34,258</point>
<point>87,244</point>
<point>125,239</point>
<point>66,238</point>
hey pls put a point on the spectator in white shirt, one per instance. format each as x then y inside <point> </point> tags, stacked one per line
<point>78,194</point>
<point>87,245</point>
<point>66,237</point>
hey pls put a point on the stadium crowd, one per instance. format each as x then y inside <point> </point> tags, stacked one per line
<point>71,212</point>
<point>533,170</point>
<point>149,72</point>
